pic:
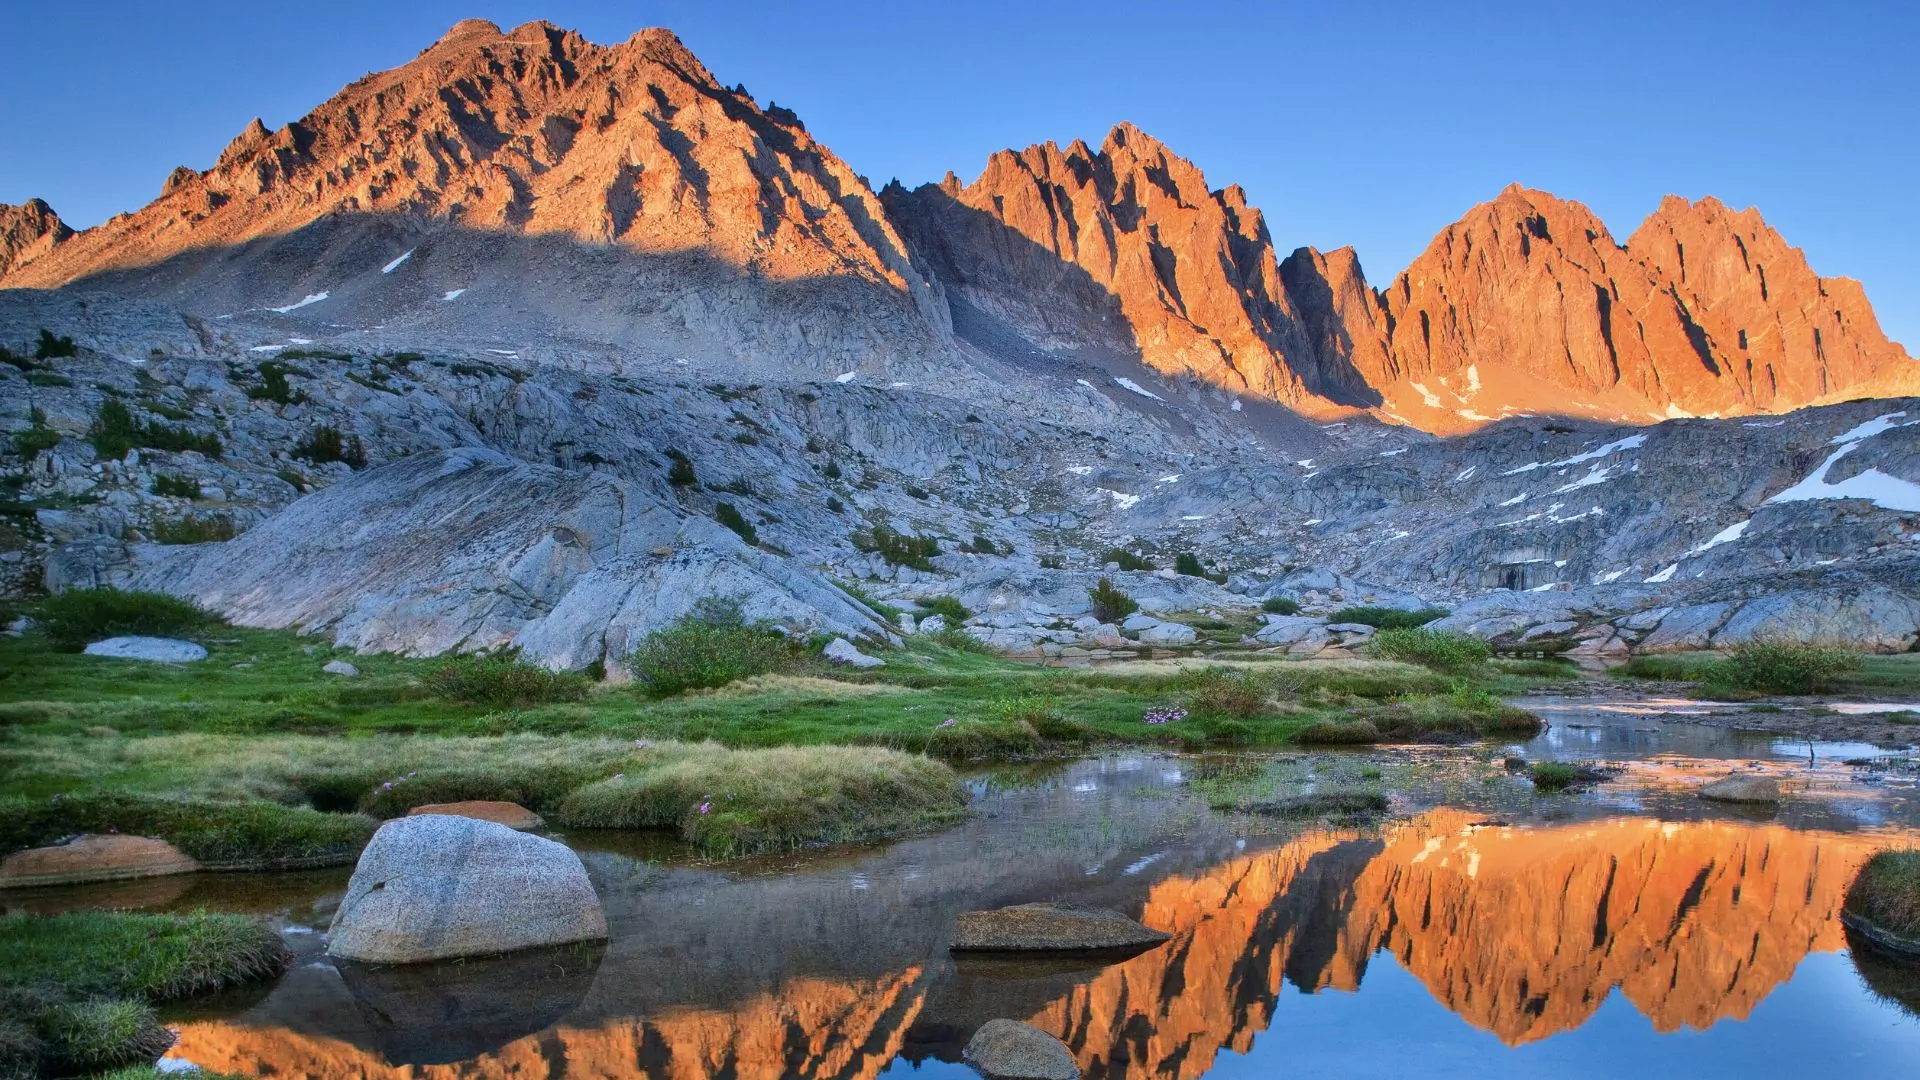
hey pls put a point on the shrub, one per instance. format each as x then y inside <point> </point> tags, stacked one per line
<point>712,645</point>
<point>737,802</point>
<point>680,472</point>
<point>1767,667</point>
<point>832,471</point>
<point>78,616</point>
<point>1280,605</point>
<point>726,515</point>
<point>1242,695</point>
<point>1338,733</point>
<point>1440,649</point>
<point>1110,605</point>
<point>499,682</point>
<point>948,607</point>
<point>898,548</point>
<point>49,347</point>
<point>835,506</point>
<point>274,386</point>
<point>182,487</point>
<point>115,431</point>
<point>1386,618</point>
<point>193,529</point>
<point>37,436</point>
<point>1189,564</point>
<point>1126,560</point>
<point>983,545</point>
<point>326,443</point>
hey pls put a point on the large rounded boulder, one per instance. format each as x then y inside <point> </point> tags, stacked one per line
<point>434,886</point>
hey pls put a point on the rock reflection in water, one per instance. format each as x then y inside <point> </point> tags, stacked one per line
<point>839,969</point>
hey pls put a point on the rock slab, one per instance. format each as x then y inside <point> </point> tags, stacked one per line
<point>1743,789</point>
<point>436,886</point>
<point>1050,927</point>
<point>1011,1050</point>
<point>512,815</point>
<point>94,857</point>
<point>157,649</point>
<point>841,651</point>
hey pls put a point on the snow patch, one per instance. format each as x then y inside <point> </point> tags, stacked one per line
<point>1305,463</point>
<point>454,294</point>
<point>1664,575</point>
<point>1193,517</point>
<point>1867,430</point>
<point>1609,577</point>
<point>1469,414</point>
<point>1236,405</point>
<point>266,348</point>
<point>1516,500</point>
<point>1725,536</point>
<point>1170,478</point>
<point>1121,499</point>
<point>1767,424</point>
<point>1129,384</point>
<point>1432,399</point>
<point>846,378</point>
<point>1595,475</point>
<point>1391,453</point>
<point>1876,487</point>
<point>395,264</point>
<point>1079,470</point>
<point>1313,521</point>
<point>1631,442</point>
<point>312,298</point>
<point>1466,473</point>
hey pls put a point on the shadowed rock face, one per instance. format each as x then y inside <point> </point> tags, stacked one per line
<point>1521,932</point>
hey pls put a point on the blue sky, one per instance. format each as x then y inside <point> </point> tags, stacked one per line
<point>1373,125</point>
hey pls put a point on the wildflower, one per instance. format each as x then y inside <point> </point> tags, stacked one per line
<point>706,806</point>
<point>388,786</point>
<point>643,744</point>
<point>1166,714</point>
<point>619,776</point>
<point>948,722</point>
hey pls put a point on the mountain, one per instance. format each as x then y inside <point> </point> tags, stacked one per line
<point>1528,305</point>
<point>531,181</point>
<point>27,232</point>
<point>1124,252</point>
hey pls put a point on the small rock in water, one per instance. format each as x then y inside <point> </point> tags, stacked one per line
<point>340,667</point>
<point>158,649</point>
<point>1011,1050</point>
<point>1743,789</point>
<point>1050,927</point>
<point>841,651</point>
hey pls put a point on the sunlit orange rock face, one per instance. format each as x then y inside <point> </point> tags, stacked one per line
<point>1528,304</point>
<point>1120,249</point>
<point>28,231</point>
<point>1521,932</point>
<point>534,131</point>
<point>809,1027</point>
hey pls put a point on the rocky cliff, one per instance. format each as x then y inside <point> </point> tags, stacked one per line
<point>28,232</point>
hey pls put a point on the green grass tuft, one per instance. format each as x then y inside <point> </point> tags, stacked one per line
<point>502,683</point>
<point>710,646</point>
<point>254,834</point>
<point>731,802</point>
<point>1887,893</point>
<point>1439,649</point>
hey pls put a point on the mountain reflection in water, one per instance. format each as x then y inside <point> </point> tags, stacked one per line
<point>1522,932</point>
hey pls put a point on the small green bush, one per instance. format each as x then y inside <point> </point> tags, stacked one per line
<point>326,443</point>
<point>835,506</point>
<point>1127,560</point>
<point>1552,775</point>
<point>1766,667</point>
<point>1439,649</point>
<point>49,347</point>
<point>1338,733</point>
<point>832,471</point>
<point>1242,695</point>
<point>30,441</point>
<point>180,487</point>
<point>1110,605</point>
<point>1386,618</point>
<point>103,1033</point>
<point>78,616</point>
<point>680,471</point>
<point>193,529</point>
<point>710,646</point>
<point>973,739</point>
<point>499,682</point>
<point>727,515</point>
<point>1280,605</point>
<point>1188,563</point>
<point>274,386</point>
<point>115,431</point>
<point>949,607</point>
<point>898,548</point>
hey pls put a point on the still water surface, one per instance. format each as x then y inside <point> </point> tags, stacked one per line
<point>1484,932</point>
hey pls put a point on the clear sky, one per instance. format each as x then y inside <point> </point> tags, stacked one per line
<point>1370,124</point>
